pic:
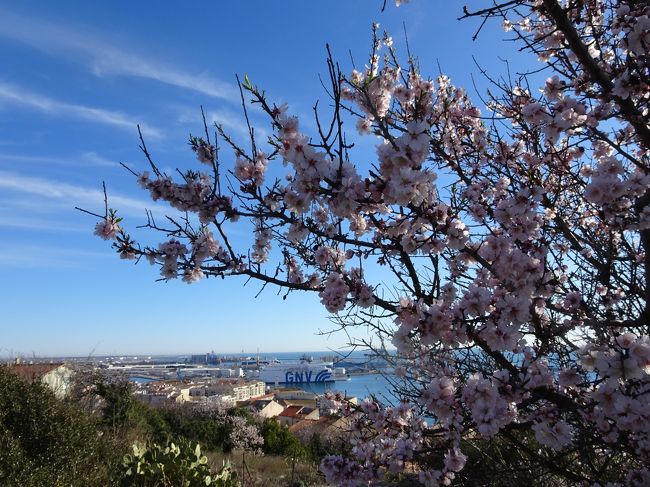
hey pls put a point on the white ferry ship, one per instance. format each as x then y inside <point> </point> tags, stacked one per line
<point>300,373</point>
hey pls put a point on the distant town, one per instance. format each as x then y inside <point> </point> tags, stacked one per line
<point>288,389</point>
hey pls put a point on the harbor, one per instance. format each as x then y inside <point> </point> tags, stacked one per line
<point>216,376</point>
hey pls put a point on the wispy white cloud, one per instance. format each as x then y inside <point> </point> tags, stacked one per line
<point>44,257</point>
<point>92,158</point>
<point>232,122</point>
<point>49,105</point>
<point>114,62</point>
<point>71,195</point>
<point>14,221</point>
<point>103,58</point>
<point>85,159</point>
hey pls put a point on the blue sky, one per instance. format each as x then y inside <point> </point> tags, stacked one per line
<point>79,76</point>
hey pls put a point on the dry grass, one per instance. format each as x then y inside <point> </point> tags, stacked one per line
<point>269,470</point>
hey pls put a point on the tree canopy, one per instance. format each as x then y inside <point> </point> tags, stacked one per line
<point>500,245</point>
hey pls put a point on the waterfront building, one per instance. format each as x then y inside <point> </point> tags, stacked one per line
<point>238,389</point>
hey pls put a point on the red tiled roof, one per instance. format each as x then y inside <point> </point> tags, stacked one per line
<point>291,411</point>
<point>32,372</point>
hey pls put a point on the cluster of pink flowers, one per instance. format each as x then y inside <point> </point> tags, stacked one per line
<point>628,359</point>
<point>262,245</point>
<point>635,25</point>
<point>195,194</point>
<point>491,411</point>
<point>360,290</point>
<point>205,246</point>
<point>334,294</point>
<point>205,152</point>
<point>253,170</point>
<point>404,181</point>
<point>439,397</point>
<point>108,228</point>
<point>556,435</point>
<point>377,85</point>
<point>295,274</point>
<point>400,432</point>
<point>326,255</point>
<point>169,252</point>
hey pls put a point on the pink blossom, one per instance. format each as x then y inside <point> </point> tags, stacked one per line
<point>556,436</point>
<point>107,229</point>
<point>334,294</point>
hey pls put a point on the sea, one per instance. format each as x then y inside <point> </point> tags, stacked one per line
<point>359,386</point>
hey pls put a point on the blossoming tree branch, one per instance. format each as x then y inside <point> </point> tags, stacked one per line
<point>513,241</point>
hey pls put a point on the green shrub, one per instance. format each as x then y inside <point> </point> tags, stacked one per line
<point>185,422</point>
<point>45,442</point>
<point>174,465</point>
<point>278,440</point>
